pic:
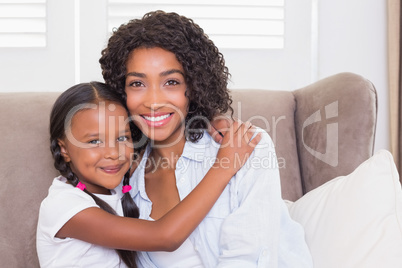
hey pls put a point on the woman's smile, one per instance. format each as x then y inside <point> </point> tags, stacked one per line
<point>157,119</point>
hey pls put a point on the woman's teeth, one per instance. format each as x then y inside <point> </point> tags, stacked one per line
<point>156,118</point>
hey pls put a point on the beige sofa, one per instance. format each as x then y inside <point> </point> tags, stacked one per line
<point>320,131</point>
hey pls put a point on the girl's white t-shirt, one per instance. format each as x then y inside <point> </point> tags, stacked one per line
<point>62,203</point>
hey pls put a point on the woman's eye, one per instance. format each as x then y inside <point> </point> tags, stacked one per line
<point>136,84</point>
<point>172,83</point>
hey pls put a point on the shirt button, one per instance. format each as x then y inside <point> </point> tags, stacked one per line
<point>195,248</point>
<point>182,180</point>
<point>265,252</point>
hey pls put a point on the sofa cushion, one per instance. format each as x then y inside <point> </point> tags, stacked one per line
<point>335,123</point>
<point>355,220</point>
<point>26,172</point>
<point>274,111</point>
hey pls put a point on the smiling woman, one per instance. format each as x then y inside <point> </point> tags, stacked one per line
<point>174,80</point>
<point>155,87</point>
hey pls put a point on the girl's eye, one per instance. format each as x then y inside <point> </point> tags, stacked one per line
<point>122,139</point>
<point>95,142</point>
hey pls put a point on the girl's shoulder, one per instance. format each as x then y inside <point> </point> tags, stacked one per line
<point>61,204</point>
<point>63,195</point>
<point>60,185</point>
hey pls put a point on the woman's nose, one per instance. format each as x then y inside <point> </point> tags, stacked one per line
<point>154,98</point>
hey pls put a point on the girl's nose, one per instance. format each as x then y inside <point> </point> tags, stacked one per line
<point>112,151</point>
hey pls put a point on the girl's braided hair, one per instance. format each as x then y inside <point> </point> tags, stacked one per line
<point>80,94</point>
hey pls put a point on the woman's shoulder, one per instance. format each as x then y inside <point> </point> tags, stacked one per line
<point>266,139</point>
<point>265,142</point>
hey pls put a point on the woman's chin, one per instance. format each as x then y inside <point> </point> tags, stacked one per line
<point>167,136</point>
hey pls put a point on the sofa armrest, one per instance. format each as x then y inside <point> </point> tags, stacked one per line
<point>335,123</point>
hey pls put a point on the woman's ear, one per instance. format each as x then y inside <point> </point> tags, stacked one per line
<point>63,151</point>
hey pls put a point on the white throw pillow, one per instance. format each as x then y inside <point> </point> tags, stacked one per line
<point>355,220</point>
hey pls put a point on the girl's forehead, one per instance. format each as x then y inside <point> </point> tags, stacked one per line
<point>102,111</point>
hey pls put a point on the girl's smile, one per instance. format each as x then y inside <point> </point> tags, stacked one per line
<point>112,169</point>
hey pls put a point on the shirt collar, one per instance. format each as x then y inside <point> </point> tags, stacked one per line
<point>137,180</point>
<point>196,151</point>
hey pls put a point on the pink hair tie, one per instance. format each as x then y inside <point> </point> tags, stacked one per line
<point>126,189</point>
<point>81,186</point>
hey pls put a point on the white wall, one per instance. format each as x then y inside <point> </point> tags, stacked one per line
<point>352,37</point>
<point>50,68</point>
<point>285,69</point>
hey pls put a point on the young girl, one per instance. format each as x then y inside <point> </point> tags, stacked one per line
<point>80,221</point>
<point>174,81</point>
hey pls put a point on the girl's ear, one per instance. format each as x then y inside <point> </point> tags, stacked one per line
<point>63,151</point>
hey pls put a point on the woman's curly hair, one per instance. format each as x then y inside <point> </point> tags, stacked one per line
<point>205,72</point>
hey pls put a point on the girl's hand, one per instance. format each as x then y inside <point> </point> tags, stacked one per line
<point>218,127</point>
<point>237,145</point>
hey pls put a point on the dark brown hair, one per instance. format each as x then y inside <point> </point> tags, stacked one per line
<point>85,93</point>
<point>204,66</point>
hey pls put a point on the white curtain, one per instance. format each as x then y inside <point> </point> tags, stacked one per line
<point>395,83</point>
